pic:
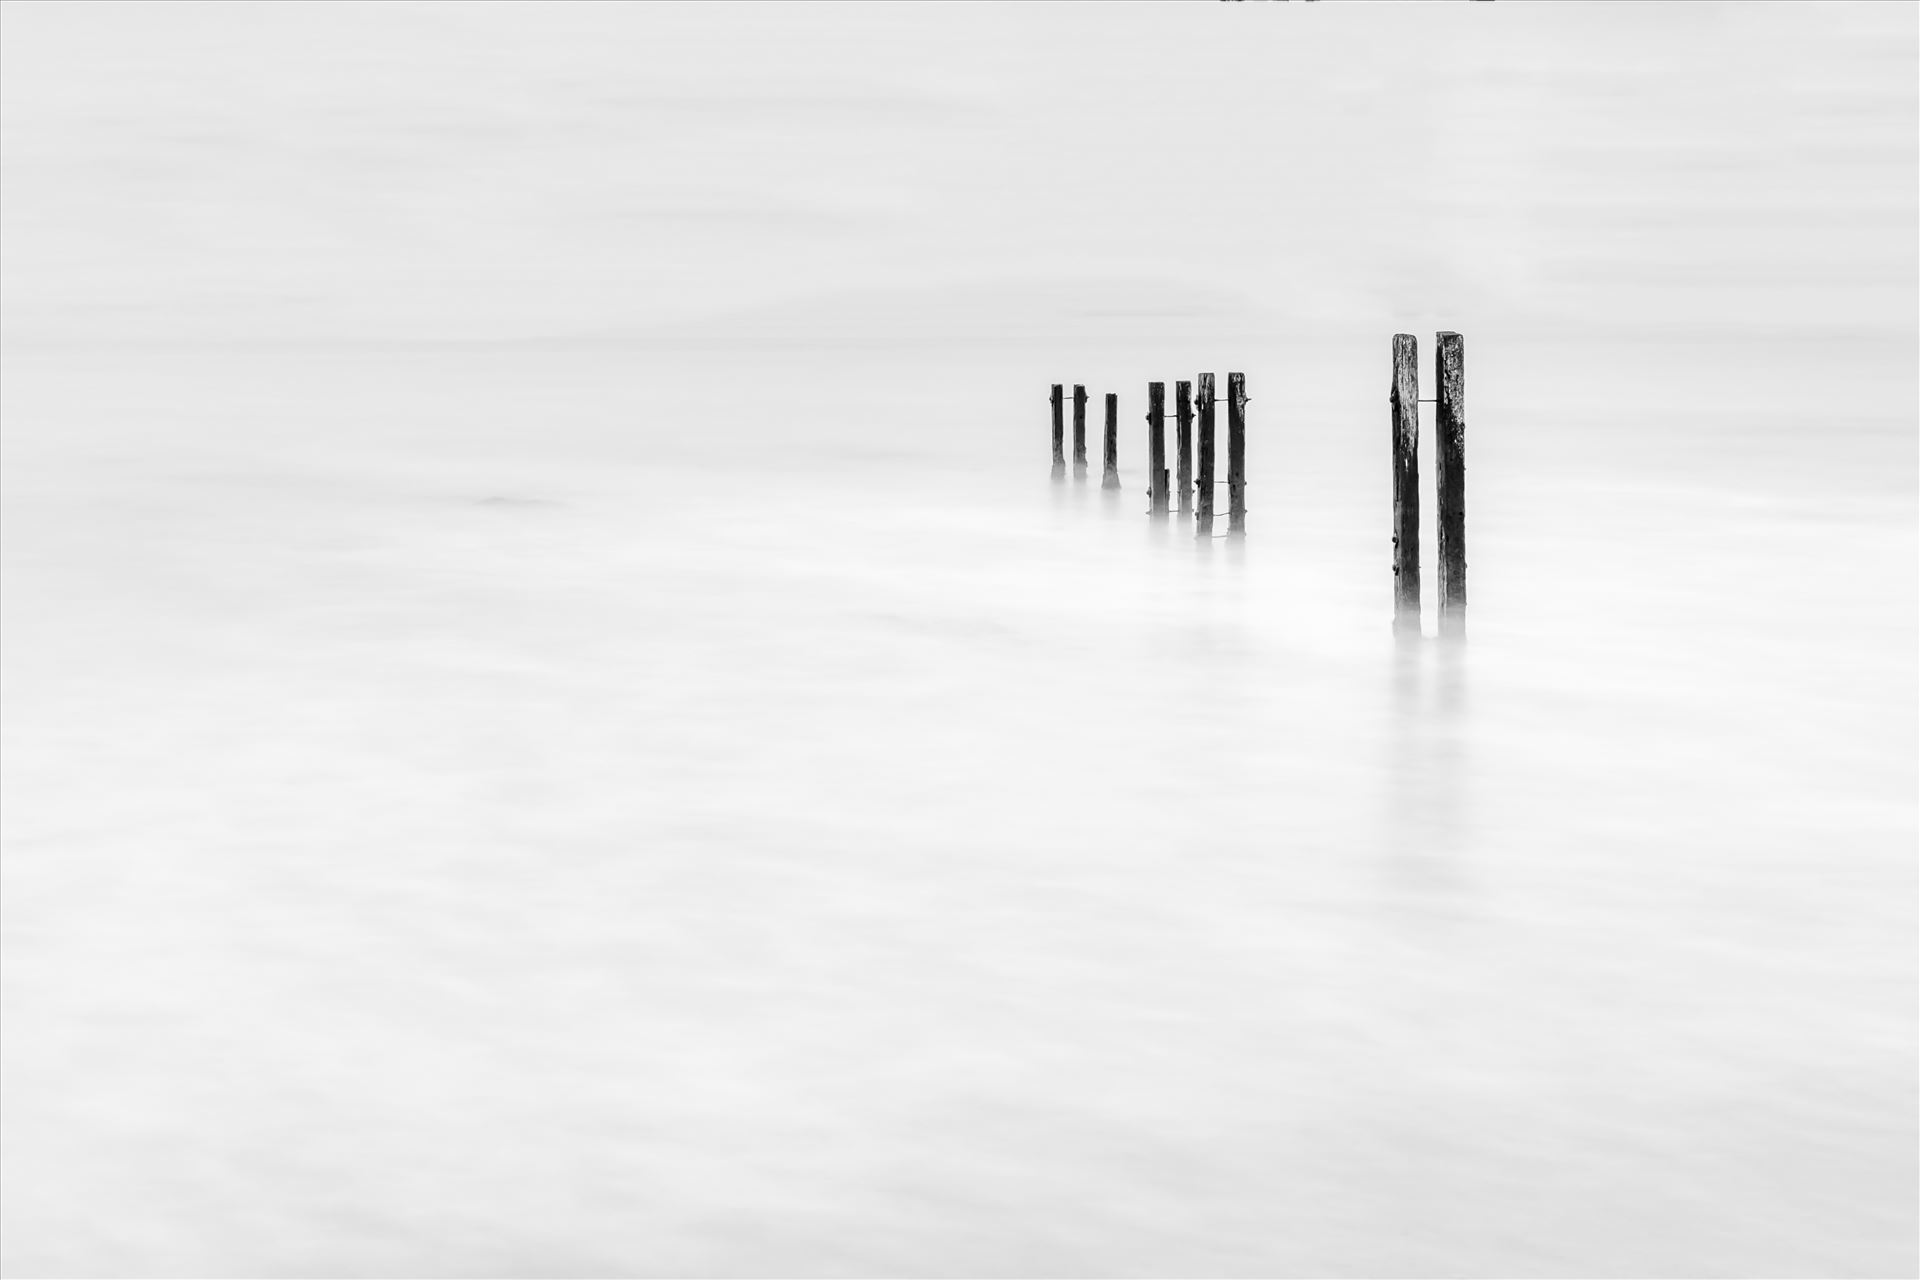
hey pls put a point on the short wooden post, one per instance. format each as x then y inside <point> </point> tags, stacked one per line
<point>1079,432</point>
<point>1183,442</point>
<point>1404,397</point>
<point>1157,450</point>
<point>1059,437</point>
<point>1110,445</point>
<point>1237,453</point>
<point>1204,480</point>
<point>1450,479</point>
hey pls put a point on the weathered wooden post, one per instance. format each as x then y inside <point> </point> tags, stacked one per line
<point>1450,479</point>
<point>1157,450</point>
<point>1183,441</point>
<point>1404,397</point>
<point>1079,432</point>
<point>1059,437</point>
<point>1204,481</point>
<point>1237,453</point>
<point>1110,445</point>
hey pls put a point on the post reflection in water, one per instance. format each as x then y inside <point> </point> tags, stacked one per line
<point>1427,836</point>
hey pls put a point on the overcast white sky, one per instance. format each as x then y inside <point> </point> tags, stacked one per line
<point>439,171</point>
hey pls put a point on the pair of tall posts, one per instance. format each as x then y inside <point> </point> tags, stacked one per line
<point>1187,408</point>
<point>1450,481</point>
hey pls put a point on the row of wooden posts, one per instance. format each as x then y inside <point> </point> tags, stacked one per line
<point>1196,491</point>
<point>1187,409</point>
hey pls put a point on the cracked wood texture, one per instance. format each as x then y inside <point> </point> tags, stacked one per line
<point>1183,442</point>
<point>1404,396</point>
<point>1059,436</point>
<point>1157,449</point>
<point>1237,453</point>
<point>1079,432</point>
<point>1110,445</point>
<point>1450,479</point>
<point>1203,482</point>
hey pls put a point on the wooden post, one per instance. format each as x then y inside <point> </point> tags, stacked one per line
<point>1110,446</point>
<point>1237,453</point>
<point>1059,437</point>
<point>1079,432</point>
<point>1404,397</point>
<point>1450,479</point>
<point>1157,450</point>
<point>1204,480</point>
<point>1183,442</point>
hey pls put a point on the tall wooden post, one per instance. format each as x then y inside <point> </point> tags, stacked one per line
<point>1237,453</point>
<point>1110,445</point>
<point>1059,437</point>
<point>1157,450</point>
<point>1204,480</point>
<point>1183,442</point>
<point>1404,397</point>
<point>1079,432</point>
<point>1450,479</point>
